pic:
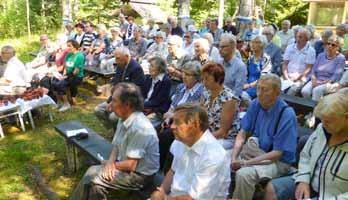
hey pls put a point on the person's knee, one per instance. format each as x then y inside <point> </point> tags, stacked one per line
<point>269,192</point>
<point>244,174</point>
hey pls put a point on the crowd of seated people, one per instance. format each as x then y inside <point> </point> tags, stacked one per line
<point>187,88</point>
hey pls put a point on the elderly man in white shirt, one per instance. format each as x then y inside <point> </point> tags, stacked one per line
<point>298,58</point>
<point>200,166</point>
<point>286,35</point>
<point>14,78</point>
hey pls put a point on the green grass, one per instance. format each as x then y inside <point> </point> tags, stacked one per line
<point>44,148</point>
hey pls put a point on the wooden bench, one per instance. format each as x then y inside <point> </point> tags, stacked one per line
<point>300,105</point>
<point>93,146</point>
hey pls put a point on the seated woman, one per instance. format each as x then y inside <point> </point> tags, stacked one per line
<point>72,76</point>
<point>221,105</point>
<point>322,171</point>
<point>328,68</point>
<point>258,63</point>
<point>156,90</point>
<point>100,46</point>
<point>189,91</point>
<point>158,48</point>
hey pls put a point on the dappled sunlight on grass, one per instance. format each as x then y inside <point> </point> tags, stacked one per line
<point>44,148</point>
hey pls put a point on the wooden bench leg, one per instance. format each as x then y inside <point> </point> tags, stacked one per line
<point>72,157</point>
<point>1,132</point>
<point>50,115</point>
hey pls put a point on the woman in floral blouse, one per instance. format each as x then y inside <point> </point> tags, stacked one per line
<point>221,104</point>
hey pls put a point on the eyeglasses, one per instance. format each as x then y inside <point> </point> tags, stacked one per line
<point>186,36</point>
<point>331,44</point>
<point>188,74</point>
<point>223,46</point>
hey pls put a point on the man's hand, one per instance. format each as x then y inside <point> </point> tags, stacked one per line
<point>302,191</point>
<point>109,171</point>
<point>159,194</point>
<point>62,77</point>
<point>235,165</point>
<point>170,69</point>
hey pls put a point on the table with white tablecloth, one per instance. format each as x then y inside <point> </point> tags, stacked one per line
<point>21,107</point>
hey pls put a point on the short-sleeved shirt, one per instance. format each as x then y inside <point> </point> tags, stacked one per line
<point>262,124</point>
<point>202,170</point>
<point>73,61</point>
<point>235,74</point>
<point>15,72</point>
<point>299,58</point>
<point>136,138</point>
<point>329,69</point>
<point>215,110</point>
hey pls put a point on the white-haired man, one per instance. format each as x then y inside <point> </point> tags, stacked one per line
<point>299,58</point>
<point>285,34</point>
<point>14,79</point>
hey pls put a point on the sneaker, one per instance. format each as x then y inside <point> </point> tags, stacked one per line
<point>64,108</point>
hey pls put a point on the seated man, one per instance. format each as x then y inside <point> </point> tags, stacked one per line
<point>3,65</point>
<point>200,167</point>
<point>273,125</point>
<point>322,171</point>
<point>127,70</point>
<point>299,58</point>
<point>46,49</point>
<point>14,79</point>
<point>135,156</point>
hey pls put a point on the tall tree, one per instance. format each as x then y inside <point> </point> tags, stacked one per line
<point>28,18</point>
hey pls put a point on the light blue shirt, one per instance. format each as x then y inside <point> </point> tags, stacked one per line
<point>235,75</point>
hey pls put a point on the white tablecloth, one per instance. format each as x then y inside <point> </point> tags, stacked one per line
<point>25,106</point>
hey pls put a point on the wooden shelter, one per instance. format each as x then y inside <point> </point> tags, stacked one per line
<point>326,13</point>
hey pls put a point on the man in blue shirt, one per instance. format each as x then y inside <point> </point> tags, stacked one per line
<point>272,124</point>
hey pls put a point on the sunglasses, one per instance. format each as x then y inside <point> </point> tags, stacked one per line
<point>331,44</point>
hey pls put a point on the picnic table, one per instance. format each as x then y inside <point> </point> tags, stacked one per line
<point>21,107</point>
<point>100,71</point>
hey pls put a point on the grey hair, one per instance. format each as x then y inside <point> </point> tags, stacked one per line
<point>335,104</point>
<point>269,29</point>
<point>276,82</point>
<point>204,42</point>
<point>209,37</point>
<point>194,67</point>
<point>305,31</point>
<point>160,63</point>
<point>129,94</point>
<point>230,38</point>
<point>123,51</point>
<point>176,40</point>
<point>296,28</point>
<point>342,27</point>
<point>327,33</point>
<point>8,48</point>
<point>262,39</point>
<point>337,39</point>
<point>287,22</point>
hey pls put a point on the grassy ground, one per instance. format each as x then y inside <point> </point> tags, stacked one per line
<point>44,148</point>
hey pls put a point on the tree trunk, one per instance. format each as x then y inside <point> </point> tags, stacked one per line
<point>75,8</point>
<point>67,15</point>
<point>43,14</point>
<point>221,13</point>
<point>246,8</point>
<point>183,12</point>
<point>28,19</point>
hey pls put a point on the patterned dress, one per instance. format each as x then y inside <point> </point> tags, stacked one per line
<point>214,114</point>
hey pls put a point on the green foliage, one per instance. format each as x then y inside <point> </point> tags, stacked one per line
<point>44,15</point>
<point>97,11</point>
<point>294,10</point>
